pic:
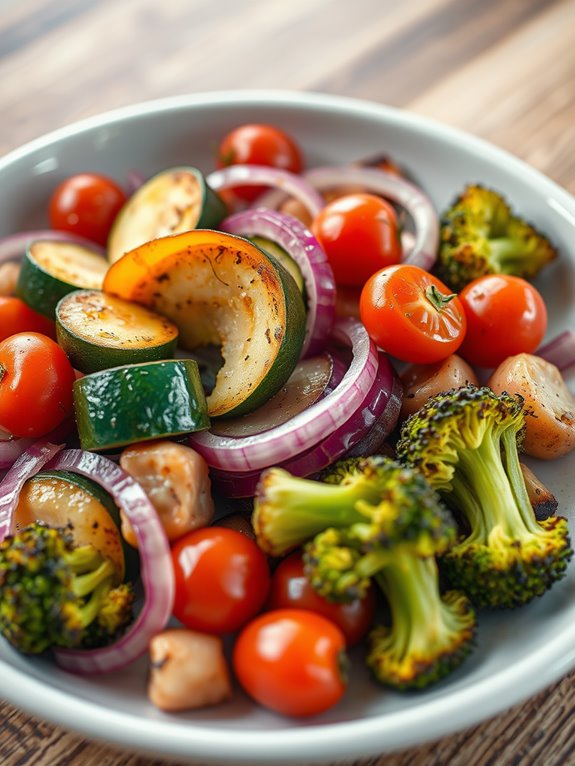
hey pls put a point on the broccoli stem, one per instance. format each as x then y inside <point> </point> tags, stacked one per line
<point>92,580</point>
<point>492,499</point>
<point>506,253</point>
<point>418,614</point>
<point>291,510</point>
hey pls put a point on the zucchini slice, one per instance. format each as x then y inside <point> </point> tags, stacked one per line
<point>138,402</point>
<point>65,499</point>
<point>304,387</point>
<point>51,269</point>
<point>221,289</point>
<point>98,331</point>
<point>171,202</point>
<point>281,255</point>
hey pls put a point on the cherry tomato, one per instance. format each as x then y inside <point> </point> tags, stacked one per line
<point>87,205</point>
<point>16,316</point>
<point>359,234</point>
<point>35,385</point>
<point>412,315</point>
<point>505,316</point>
<point>291,588</point>
<point>291,661</point>
<point>259,145</point>
<point>222,579</point>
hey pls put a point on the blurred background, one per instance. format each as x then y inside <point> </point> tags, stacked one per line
<point>501,69</point>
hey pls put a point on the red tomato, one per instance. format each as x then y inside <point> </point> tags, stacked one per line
<point>259,145</point>
<point>222,579</point>
<point>35,385</point>
<point>291,588</point>
<point>16,316</point>
<point>359,234</point>
<point>87,205</point>
<point>505,316</point>
<point>412,315</point>
<point>291,661</point>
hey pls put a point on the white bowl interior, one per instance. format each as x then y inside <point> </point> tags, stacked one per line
<point>518,652</point>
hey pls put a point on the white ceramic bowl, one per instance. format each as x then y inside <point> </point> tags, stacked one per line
<point>519,652</point>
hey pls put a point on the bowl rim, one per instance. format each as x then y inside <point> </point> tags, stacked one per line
<point>337,740</point>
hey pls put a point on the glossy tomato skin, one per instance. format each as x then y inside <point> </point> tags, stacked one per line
<point>290,588</point>
<point>359,234</point>
<point>412,315</point>
<point>86,205</point>
<point>222,579</point>
<point>16,316</point>
<point>36,381</point>
<point>505,316</point>
<point>259,144</point>
<point>291,661</point>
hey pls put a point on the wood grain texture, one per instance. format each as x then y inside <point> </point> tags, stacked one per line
<point>501,69</point>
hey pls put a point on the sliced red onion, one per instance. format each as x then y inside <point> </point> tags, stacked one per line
<point>261,175</point>
<point>369,426</point>
<point>11,447</point>
<point>309,427</point>
<point>559,351</point>
<point>396,188</point>
<point>156,568</point>
<point>303,247</point>
<point>27,465</point>
<point>13,246</point>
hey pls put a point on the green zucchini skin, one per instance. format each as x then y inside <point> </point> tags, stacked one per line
<point>42,288</point>
<point>98,331</point>
<point>289,351</point>
<point>173,201</point>
<point>272,248</point>
<point>125,405</point>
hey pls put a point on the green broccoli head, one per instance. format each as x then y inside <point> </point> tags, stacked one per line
<point>465,442</point>
<point>54,594</point>
<point>408,516</point>
<point>430,634</point>
<point>480,235</point>
<point>289,510</point>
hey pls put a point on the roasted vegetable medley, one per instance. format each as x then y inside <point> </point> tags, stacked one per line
<point>252,418</point>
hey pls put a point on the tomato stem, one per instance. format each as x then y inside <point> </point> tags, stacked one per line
<point>437,299</point>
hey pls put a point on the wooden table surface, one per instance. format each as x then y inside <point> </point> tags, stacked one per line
<point>501,69</point>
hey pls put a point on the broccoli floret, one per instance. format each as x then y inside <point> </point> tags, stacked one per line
<point>430,634</point>
<point>465,442</point>
<point>53,594</point>
<point>289,510</point>
<point>480,235</point>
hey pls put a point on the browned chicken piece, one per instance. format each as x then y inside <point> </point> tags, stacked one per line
<point>549,404</point>
<point>176,480</point>
<point>188,670</point>
<point>542,500</point>
<point>420,381</point>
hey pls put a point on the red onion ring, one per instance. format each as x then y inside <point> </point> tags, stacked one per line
<point>559,351</point>
<point>156,568</point>
<point>404,193</point>
<point>307,428</point>
<point>13,246</point>
<point>378,413</point>
<point>258,175</point>
<point>27,465</point>
<point>11,447</point>
<point>300,244</point>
